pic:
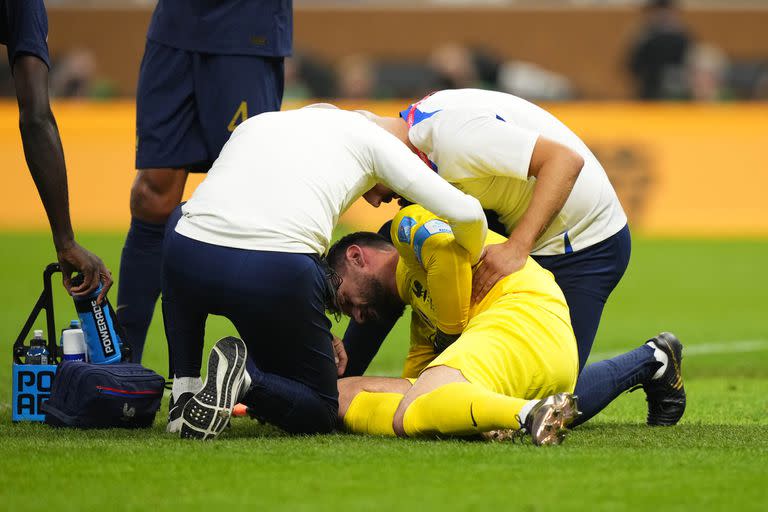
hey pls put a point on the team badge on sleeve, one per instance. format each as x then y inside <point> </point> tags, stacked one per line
<point>404,229</point>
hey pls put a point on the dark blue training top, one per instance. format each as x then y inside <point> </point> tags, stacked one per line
<point>24,29</point>
<point>228,27</point>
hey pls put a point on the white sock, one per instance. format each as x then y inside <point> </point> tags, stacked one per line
<point>526,410</point>
<point>246,385</point>
<point>185,385</point>
<point>661,357</point>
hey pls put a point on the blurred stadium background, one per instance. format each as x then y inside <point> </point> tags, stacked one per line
<point>688,163</point>
<point>674,105</point>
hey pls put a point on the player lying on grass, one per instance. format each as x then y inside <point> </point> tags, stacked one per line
<point>598,383</point>
<point>516,346</point>
<point>248,247</point>
<point>480,367</point>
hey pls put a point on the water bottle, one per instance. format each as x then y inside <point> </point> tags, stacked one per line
<point>37,353</point>
<point>98,325</point>
<point>73,324</point>
<point>73,345</point>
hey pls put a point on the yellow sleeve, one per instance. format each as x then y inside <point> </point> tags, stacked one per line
<point>424,239</point>
<point>449,280</point>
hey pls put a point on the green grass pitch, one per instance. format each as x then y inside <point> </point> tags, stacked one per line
<point>711,293</point>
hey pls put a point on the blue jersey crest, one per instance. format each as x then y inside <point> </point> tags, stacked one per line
<point>404,229</point>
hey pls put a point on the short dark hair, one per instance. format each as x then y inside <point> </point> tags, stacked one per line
<point>336,253</point>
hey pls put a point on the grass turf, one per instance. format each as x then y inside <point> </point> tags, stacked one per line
<point>711,293</point>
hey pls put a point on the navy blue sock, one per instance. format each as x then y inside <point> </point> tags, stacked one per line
<point>599,383</point>
<point>139,285</point>
<point>288,404</point>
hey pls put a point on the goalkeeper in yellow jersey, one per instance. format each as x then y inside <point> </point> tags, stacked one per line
<point>505,363</point>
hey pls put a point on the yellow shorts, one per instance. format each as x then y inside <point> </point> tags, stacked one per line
<point>517,349</point>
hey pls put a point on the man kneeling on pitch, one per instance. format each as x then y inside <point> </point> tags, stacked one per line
<point>507,363</point>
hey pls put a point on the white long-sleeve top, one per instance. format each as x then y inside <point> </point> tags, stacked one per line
<point>483,141</point>
<point>284,178</point>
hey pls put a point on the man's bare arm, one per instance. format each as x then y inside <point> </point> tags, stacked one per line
<point>45,159</point>
<point>556,169</point>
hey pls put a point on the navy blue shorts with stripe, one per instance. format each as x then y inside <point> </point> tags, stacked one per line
<point>188,103</point>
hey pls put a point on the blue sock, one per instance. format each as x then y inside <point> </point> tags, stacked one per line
<point>599,383</point>
<point>288,404</point>
<point>139,285</point>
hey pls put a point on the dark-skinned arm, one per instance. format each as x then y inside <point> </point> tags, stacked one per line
<point>45,159</point>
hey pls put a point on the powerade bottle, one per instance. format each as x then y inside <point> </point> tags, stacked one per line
<point>98,324</point>
<point>37,353</point>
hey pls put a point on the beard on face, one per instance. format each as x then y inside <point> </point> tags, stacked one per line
<point>380,303</point>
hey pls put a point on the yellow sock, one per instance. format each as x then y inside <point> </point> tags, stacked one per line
<point>372,413</point>
<point>461,409</point>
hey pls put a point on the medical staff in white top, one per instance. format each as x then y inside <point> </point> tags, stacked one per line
<point>247,246</point>
<point>550,194</point>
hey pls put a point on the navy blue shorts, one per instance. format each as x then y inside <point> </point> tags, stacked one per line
<point>275,301</point>
<point>24,29</point>
<point>587,278</point>
<point>188,103</point>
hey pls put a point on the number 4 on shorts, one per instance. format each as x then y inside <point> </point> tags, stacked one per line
<point>240,115</point>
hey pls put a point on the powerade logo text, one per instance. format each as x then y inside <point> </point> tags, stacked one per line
<point>32,384</point>
<point>101,324</point>
<point>32,390</point>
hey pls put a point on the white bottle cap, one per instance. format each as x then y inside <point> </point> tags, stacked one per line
<point>38,333</point>
<point>73,342</point>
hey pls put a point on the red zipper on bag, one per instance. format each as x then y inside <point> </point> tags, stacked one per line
<point>125,392</point>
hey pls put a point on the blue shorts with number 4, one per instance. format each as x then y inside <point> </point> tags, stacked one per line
<point>189,103</point>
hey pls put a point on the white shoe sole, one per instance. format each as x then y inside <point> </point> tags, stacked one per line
<point>207,413</point>
<point>174,427</point>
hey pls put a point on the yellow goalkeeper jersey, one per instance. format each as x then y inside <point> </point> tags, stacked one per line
<point>434,277</point>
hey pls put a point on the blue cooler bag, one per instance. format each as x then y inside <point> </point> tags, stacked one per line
<point>87,395</point>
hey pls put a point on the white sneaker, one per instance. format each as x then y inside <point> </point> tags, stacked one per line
<point>207,413</point>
